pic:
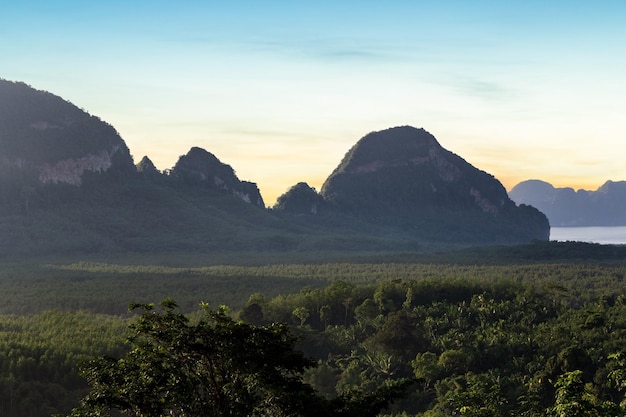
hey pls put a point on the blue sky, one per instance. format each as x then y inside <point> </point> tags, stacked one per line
<point>281,90</point>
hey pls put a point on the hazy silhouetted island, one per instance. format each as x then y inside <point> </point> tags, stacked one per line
<point>565,207</point>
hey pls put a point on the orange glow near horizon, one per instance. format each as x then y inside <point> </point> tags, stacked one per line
<point>275,169</point>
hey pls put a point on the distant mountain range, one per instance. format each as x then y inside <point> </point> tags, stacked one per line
<point>564,207</point>
<point>69,184</point>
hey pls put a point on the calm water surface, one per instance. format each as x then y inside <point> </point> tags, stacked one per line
<point>604,235</point>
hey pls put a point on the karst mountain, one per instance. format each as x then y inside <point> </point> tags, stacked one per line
<point>68,184</point>
<point>402,177</point>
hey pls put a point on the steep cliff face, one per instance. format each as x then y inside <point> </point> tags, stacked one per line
<point>403,176</point>
<point>199,167</point>
<point>51,141</point>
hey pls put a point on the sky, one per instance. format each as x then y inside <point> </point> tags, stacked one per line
<point>281,90</point>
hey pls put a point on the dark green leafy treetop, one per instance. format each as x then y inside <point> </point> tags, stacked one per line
<point>214,367</point>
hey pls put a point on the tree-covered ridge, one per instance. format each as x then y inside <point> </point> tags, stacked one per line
<point>301,199</point>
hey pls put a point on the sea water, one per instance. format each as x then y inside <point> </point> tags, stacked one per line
<point>604,235</point>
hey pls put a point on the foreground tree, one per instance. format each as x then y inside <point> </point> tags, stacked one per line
<point>214,367</point>
<point>573,399</point>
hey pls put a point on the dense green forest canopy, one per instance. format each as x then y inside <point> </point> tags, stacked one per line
<point>504,331</point>
<point>108,284</point>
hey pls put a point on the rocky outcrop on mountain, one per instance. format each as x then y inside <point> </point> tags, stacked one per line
<point>146,169</point>
<point>566,207</point>
<point>47,140</point>
<point>146,166</point>
<point>403,178</point>
<point>199,167</point>
<point>300,199</point>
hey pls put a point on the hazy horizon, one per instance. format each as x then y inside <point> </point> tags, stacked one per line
<point>281,91</point>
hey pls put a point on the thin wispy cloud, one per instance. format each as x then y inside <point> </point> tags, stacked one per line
<point>482,89</point>
<point>532,81</point>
